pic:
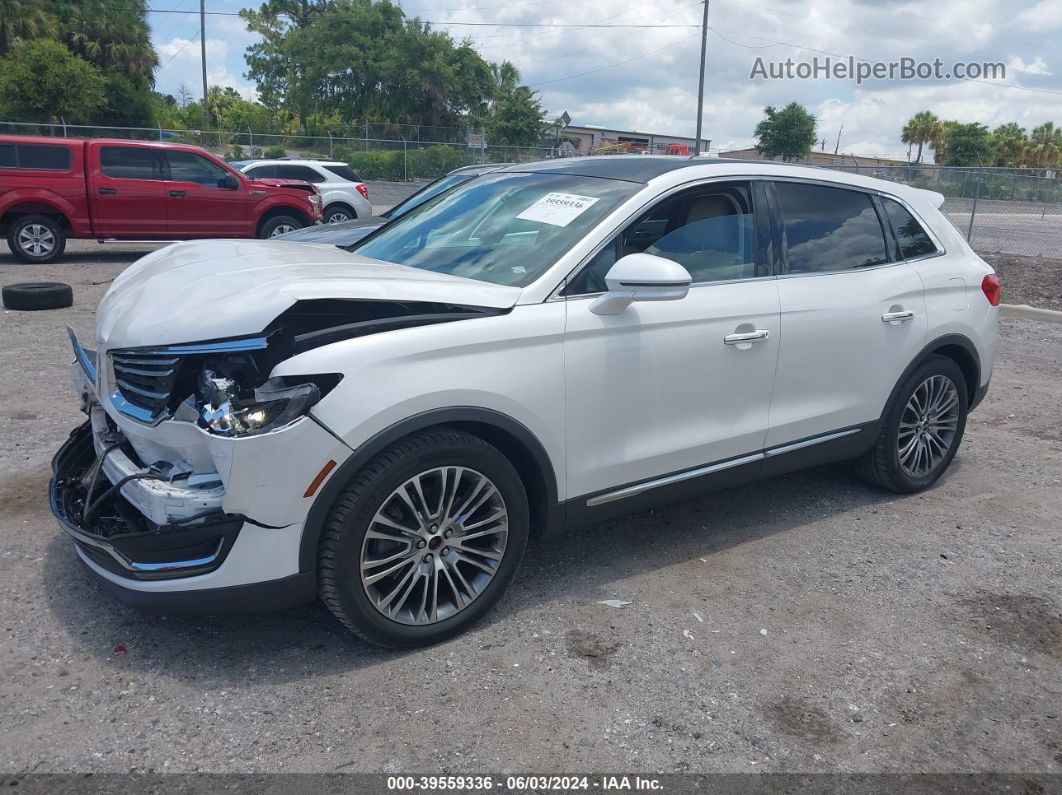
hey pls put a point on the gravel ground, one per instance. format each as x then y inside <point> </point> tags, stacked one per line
<point>809,623</point>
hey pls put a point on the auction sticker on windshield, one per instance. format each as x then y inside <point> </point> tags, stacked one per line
<point>557,209</point>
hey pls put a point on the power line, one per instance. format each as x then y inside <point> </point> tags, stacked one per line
<point>618,63</point>
<point>194,37</point>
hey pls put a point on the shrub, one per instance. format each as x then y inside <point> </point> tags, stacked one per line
<point>273,152</point>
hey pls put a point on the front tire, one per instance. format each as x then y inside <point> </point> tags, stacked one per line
<point>36,238</point>
<point>921,430</point>
<point>279,225</point>
<point>422,542</point>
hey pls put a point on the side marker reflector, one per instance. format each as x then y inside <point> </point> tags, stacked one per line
<point>317,481</point>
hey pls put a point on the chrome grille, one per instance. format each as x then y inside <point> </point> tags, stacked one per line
<point>146,378</point>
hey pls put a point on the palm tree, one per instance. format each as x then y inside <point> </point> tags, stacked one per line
<point>938,140</point>
<point>1008,144</point>
<point>1045,146</point>
<point>919,131</point>
<point>22,20</point>
<point>113,35</point>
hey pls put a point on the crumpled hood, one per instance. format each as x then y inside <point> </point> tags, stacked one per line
<point>213,289</point>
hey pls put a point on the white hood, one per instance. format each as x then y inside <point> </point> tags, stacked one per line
<point>212,289</point>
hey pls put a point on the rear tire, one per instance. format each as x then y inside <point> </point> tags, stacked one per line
<point>36,238</point>
<point>279,225</point>
<point>338,213</point>
<point>448,563</point>
<point>921,429</point>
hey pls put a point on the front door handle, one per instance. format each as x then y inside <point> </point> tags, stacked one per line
<point>178,194</point>
<point>108,191</point>
<point>746,338</point>
<point>896,318</point>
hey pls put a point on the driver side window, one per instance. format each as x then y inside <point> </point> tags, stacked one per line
<point>707,230</point>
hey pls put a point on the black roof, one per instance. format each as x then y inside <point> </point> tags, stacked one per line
<point>632,168</point>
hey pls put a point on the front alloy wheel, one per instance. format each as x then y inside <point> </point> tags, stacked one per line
<point>423,540</point>
<point>434,545</point>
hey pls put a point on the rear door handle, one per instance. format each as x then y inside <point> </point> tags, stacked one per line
<point>896,318</point>
<point>178,194</point>
<point>747,338</point>
<point>108,191</point>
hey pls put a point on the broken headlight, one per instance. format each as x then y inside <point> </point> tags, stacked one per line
<point>228,410</point>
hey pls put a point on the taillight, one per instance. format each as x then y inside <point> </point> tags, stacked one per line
<point>990,287</point>
<point>363,191</point>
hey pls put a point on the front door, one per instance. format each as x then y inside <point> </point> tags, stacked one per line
<point>198,205</point>
<point>666,387</point>
<point>853,313</point>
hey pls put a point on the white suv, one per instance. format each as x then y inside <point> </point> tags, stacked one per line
<point>544,346</point>
<point>343,195</point>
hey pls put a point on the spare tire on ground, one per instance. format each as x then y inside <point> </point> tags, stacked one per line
<point>37,295</point>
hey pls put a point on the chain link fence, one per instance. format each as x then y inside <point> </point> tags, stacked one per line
<point>392,152</point>
<point>999,210</point>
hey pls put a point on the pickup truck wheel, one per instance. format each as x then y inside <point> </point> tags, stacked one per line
<point>36,238</point>
<point>37,295</point>
<point>280,225</point>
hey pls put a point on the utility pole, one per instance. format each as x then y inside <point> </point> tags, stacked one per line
<point>700,83</point>
<point>837,145</point>
<point>202,49</point>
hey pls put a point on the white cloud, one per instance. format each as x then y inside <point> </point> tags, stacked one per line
<point>1038,66</point>
<point>1044,17</point>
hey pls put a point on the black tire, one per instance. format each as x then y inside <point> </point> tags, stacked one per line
<point>277,226</point>
<point>335,209</point>
<point>47,245</point>
<point>37,295</point>
<point>339,555</point>
<point>881,465</point>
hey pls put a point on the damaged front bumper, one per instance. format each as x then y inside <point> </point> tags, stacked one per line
<point>173,518</point>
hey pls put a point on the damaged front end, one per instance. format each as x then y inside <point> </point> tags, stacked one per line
<point>193,450</point>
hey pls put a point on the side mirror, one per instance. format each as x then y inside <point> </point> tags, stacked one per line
<point>641,277</point>
<point>228,182</point>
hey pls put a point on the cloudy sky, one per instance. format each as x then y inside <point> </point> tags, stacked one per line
<point>644,76</point>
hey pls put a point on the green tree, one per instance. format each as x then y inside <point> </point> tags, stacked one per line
<point>788,133</point>
<point>967,145</point>
<point>1045,146</point>
<point>21,20</point>
<point>113,35</point>
<point>42,81</point>
<point>919,131</point>
<point>939,140</point>
<point>514,115</point>
<point>1008,144</point>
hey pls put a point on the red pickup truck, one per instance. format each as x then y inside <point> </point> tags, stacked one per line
<point>52,189</point>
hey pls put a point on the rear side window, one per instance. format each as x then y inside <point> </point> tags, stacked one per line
<point>128,162</point>
<point>911,237</point>
<point>829,229</point>
<point>262,172</point>
<point>298,172</point>
<point>38,157</point>
<point>343,172</point>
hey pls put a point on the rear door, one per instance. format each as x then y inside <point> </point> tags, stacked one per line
<point>853,312</point>
<point>127,192</point>
<point>199,204</point>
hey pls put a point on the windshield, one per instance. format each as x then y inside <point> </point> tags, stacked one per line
<point>429,191</point>
<point>504,228</point>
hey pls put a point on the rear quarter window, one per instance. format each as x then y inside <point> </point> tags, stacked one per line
<point>344,172</point>
<point>35,157</point>
<point>911,237</point>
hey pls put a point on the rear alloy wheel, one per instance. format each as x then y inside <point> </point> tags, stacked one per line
<point>337,215</point>
<point>921,430</point>
<point>36,238</point>
<point>422,541</point>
